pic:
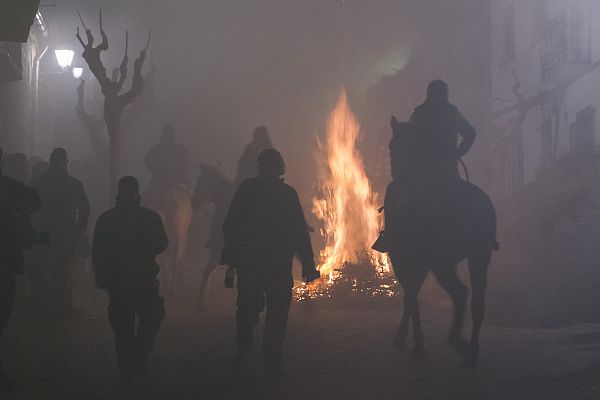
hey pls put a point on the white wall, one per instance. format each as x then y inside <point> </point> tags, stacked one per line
<point>529,17</point>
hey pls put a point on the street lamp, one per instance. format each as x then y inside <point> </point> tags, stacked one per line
<point>77,72</point>
<point>64,58</point>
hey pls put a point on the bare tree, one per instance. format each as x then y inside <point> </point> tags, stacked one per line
<point>96,125</point>
<point>114,102</point>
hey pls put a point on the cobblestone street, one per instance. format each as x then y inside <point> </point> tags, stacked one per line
<point>332,352</point>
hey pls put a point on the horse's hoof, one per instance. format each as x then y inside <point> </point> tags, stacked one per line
<point>459,345</point>
<point>418,354</point>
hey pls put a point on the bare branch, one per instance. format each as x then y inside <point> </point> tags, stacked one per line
<point>148,41</point>
<point>78,36</point>
<point>81,19</point>
<point>90,38</point>
<point>137,85</point>
<point>123,66</point>
<point>104,45</point>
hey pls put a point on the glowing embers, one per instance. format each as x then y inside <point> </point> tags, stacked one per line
<point>358,280</point>
<point>347,210</point>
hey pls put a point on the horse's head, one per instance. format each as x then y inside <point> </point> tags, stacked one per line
<point>402,151</point>
<point>209,186</point>
<point>400,130</point>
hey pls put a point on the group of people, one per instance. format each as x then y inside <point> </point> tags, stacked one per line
<point>264,229</point>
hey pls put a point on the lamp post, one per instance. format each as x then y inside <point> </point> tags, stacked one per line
<point>64,58</point>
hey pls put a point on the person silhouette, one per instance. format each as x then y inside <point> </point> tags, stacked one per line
<point>264,229</point>
<point>127,239</point>
<point>167,160</point>
<point>17,202</point>
<point>247,163</point>
<point>436,124</point>
<point>64,214</point>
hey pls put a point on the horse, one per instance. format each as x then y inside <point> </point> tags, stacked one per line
<point>173,202</point>
<point>432,230</point>
<point>212,187</point>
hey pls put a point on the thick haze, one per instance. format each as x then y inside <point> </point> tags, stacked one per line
<point>224,67</point>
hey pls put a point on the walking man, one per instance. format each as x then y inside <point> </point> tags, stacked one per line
<point>127,240</point>
<point>264,229</point>
<point>64,214</point>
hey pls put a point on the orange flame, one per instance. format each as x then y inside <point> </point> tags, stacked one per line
<point>346,205</point>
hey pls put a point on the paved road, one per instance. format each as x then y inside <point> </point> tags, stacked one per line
<point>332,352</point>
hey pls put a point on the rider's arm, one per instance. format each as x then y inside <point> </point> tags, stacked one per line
<point>467,133</point>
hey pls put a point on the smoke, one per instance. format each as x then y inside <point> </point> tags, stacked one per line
<point>224,67</point>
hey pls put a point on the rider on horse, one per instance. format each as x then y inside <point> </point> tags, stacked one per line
<point>436,124</point>
<point>434,220</point>
<point>167,160</point>
<point>169,197</point>
<point>424,157</point>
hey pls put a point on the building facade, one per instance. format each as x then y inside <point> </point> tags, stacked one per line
<point>19,89</point>
<point>545,84</point>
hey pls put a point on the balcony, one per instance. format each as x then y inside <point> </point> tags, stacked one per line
<point>566,48</point>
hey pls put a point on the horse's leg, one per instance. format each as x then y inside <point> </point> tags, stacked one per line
<point>448,279</point>
<point>411,277</point>
<point>402,335</point>
<point>211,267</point>
<point>179,224</point>
<point>478,266</point>
<point>419,275</point>
<point>401,274</point>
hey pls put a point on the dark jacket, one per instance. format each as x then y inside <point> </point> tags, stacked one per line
<point>17,202</point>
<point>265,226</point>
<point>126,241</point>
<point>437,124</point>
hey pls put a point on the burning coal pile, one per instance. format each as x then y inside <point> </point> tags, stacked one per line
<point>346,208</point>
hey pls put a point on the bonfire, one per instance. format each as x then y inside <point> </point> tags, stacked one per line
<point>346,208</point>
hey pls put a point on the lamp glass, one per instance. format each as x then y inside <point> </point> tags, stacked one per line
<point>77,72</point>
<point>64,57</point>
